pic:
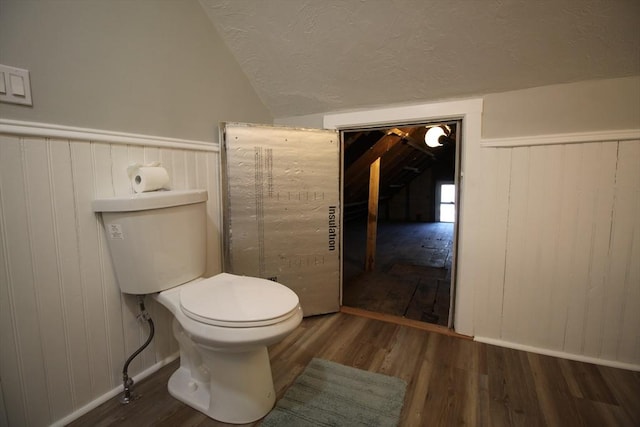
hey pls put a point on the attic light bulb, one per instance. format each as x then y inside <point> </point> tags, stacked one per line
<point>433,135</point>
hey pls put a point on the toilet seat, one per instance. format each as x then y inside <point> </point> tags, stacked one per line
<point>237,301</point>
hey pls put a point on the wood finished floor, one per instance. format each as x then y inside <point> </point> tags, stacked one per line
<point>451,381</point>
<point>412,276</point>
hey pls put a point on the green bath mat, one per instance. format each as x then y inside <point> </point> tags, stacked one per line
<point>330,394</point>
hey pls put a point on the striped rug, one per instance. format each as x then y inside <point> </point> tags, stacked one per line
<point>330,394</point>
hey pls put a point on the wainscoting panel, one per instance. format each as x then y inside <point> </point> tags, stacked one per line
<point>568,279</point>
<point>490,218</point>
<point>621,307</point>
<point>65,328</point>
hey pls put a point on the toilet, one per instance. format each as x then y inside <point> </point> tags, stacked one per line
<point>223,324</point>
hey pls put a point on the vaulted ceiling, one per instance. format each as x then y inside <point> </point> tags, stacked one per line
<point>310,56</point>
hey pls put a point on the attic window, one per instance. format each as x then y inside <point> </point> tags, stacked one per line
<point>447,203</point>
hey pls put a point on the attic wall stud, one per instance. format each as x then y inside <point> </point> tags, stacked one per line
<point>372,222</point>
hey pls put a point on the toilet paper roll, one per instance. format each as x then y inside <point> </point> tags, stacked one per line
<point>149,178</point>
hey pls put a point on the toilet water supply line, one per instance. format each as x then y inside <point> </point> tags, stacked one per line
<point>128,382</point>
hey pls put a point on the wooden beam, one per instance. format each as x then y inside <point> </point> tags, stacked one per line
<point>383,145</point>
<point>372,222</point>
<point>356,174</point>
<point>413,142</point>
<point>360,166</point>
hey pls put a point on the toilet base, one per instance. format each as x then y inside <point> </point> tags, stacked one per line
<point>189,391</point>
<point>238,388</point>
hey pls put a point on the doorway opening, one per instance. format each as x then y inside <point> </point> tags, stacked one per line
<point>405,266</point>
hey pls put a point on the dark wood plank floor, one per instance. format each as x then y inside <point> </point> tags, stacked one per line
<point>412,278</point>
<point>451,381</point>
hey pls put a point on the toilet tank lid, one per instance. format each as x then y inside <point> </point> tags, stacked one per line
<point>150,200</point>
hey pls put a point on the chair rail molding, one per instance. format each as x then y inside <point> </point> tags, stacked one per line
<point>562,138</point>
<point>47,130</point>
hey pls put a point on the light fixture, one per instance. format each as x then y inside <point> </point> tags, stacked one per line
<point>433,135</point>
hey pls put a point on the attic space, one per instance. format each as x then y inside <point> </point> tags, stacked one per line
<point>398,246</point>
<point>409,171</point>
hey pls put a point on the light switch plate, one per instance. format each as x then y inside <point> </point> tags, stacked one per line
<point>16,85</point>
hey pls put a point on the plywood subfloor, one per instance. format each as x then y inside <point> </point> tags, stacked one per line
<point>412,276</point>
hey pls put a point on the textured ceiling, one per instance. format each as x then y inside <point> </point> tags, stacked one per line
<point>310,56</point>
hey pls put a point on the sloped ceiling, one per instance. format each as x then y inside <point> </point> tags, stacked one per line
<point>311,56</point>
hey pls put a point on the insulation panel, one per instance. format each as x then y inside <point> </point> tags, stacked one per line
<point>281,209</point>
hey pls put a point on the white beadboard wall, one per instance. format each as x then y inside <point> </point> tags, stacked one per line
<point>65,328</point>
<point>554,234</point>
<point>561,248</point>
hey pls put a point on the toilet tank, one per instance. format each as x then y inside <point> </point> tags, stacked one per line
<point>157,240</point>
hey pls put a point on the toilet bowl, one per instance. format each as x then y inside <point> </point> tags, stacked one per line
<point>224,325</point>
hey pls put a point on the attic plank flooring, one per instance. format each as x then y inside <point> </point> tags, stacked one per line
<point>450,381</point>
<point>412,275</point>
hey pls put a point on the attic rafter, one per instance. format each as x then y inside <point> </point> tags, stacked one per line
<point>400,169</point>
<point>360,167</point>
<point>411,169</point>
<point>412,141</point>
<point>352,137</point>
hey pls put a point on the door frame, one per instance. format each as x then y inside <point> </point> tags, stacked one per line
<point>469,111</point>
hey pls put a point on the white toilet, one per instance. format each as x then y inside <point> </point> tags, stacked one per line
<point>223,324</point>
